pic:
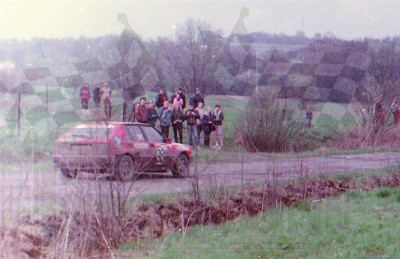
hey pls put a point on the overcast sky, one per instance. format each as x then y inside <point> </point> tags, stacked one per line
<point>151,18</point>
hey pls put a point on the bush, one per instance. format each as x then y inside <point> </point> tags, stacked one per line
<point>270,125</point>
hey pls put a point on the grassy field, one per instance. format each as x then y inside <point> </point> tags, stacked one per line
<point>356,224</point>
<point>41,124</point>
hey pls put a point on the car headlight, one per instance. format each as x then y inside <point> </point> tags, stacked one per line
<point>117,142</point>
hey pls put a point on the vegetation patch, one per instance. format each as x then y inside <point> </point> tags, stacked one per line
<point>87,233</point>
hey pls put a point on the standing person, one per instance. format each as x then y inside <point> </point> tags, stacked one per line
<point>106,96</point>
<point>141,111</point>
<point>166,120</point>
<point>197,98</point>
<point>177,123</point>
<point>379,112</point>
<point>199,126</point>
<point>183,96</point>
<point>207,121</point>
<point>218,118</point>
<point>161,98</point>
<point>398,113</point>
<point>394,107</point>
<point>84,94</point>
<point>97,97</point>
<point>152,115</point>
<point>309,116</point>
<point>163,108</point>
<point>177,100</point>
<point>191,116</point>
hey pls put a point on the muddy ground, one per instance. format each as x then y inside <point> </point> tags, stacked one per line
<point>42,205</point>
<point>43,189</point>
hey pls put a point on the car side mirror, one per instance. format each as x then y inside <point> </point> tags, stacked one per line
<point>168,140</point>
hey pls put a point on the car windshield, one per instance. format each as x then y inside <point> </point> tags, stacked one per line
<point>152,134</point>
<point>89,131</point>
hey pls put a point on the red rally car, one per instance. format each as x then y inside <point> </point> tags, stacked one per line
<point>119,148</point>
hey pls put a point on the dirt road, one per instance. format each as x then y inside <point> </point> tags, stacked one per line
<point>40,189</point>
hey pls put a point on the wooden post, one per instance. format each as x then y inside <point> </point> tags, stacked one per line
<point>47,105</point>
<point>19,115</point>
<point>124,110</point>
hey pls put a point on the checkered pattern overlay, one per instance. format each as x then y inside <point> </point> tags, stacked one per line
<point>320,76</point>
<point>310,76</point>
<point>115,67</point>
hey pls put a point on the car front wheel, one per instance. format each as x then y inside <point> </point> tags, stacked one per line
<point>181,169</point>
<point>125,169</point>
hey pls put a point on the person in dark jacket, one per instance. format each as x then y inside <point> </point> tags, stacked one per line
<point>141,111</point>
<point>309,116</point>
<point>177,123</point>
<point>197,98</point>
<point>207,121</point>
<point>97,96</point>
<point>191,116</point>
<point>218,118</point>
<point>183,96</point>
<point>85,96</point>
<point>161,98</point>
<point>152,115</point>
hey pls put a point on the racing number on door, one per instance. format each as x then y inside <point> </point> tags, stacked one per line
<point>160,156</point>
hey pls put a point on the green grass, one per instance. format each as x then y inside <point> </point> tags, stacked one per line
<point>38,133</point>
<point>353,225</point>
<point>328,152</point>
<point>331,120</point>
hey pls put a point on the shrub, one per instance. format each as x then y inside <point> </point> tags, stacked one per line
<point>270,125</point>
<point>384,193</point>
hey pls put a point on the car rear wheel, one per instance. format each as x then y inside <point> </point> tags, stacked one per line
<point>181,168</point>
<point>69,173</point>
<point>125,169</point>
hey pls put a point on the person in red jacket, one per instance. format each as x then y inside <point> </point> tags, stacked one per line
<point>85,96</point>
<point>141,111</point>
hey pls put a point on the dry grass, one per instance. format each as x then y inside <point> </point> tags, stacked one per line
<point>358,137</point>
<point>94,230</point>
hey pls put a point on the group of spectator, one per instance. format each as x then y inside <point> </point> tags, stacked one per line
<point>164,113</point>
<point>98,95</point>
<point>379,113</point>
<point>172,113</point>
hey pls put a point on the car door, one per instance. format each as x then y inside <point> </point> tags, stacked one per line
<point>135,144</point>
<point>159,150</point>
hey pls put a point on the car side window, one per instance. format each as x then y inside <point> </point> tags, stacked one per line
<point>152,134</point>
<point>134,133</point>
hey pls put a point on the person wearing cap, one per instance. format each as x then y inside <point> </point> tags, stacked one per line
<point>191,116</point>
<point>85,96</point>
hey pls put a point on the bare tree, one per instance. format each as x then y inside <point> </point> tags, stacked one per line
<point>193,56</point>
